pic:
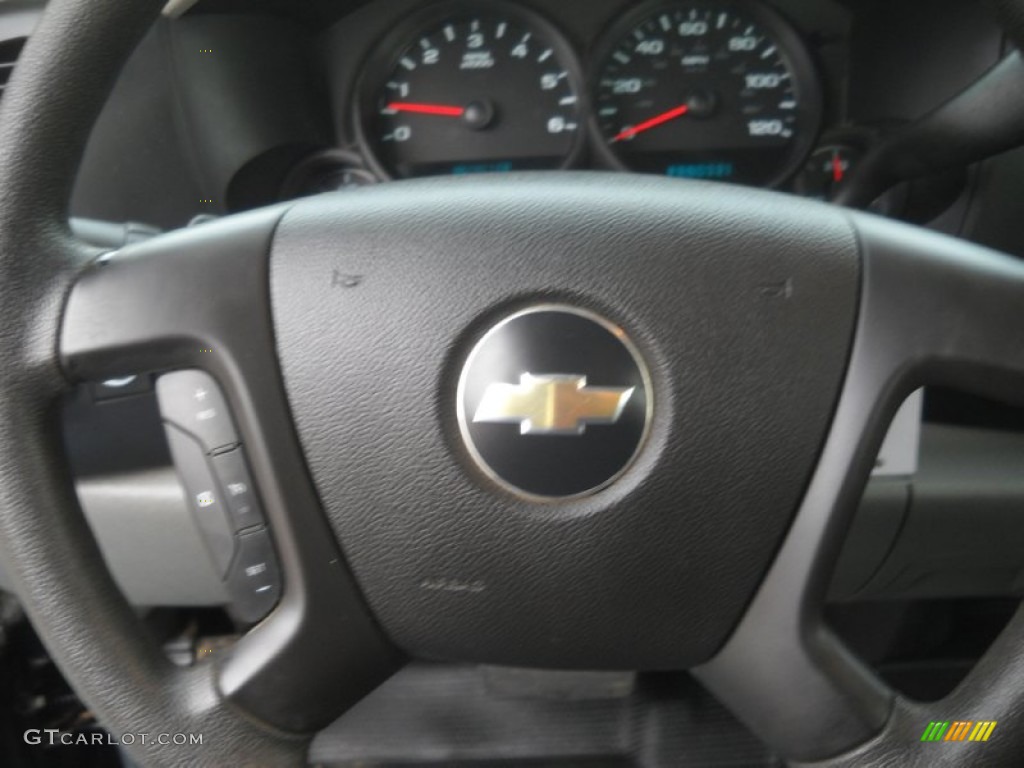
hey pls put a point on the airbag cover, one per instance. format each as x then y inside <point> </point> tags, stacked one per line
<point>742,305</point>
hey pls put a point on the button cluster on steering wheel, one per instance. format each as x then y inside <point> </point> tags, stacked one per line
<point>213,468</point>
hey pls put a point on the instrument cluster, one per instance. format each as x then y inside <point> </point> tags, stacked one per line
<point>708,89</point>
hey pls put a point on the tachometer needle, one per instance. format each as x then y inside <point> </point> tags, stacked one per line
<point>664,117</point>
<point>427,109</point>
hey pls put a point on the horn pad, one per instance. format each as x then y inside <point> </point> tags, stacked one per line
<point>728,317</point>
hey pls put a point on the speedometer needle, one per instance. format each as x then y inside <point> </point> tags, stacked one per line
<point>427,109</point>
<point>654,122</point>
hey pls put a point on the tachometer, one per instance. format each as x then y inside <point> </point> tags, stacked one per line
<point>707,90</point>
<point>471,88</point>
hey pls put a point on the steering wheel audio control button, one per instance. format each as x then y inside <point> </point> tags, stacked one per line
<point>240,497</point>
<point>192,400</point>
<point>204,497</point>
<point>254,583</point>
<point>213,468</point>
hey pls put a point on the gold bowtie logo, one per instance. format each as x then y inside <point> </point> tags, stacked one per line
<point>552,405</point>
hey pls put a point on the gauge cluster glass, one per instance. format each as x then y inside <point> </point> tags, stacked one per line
<point>472,89</point>
<point>706,89</point>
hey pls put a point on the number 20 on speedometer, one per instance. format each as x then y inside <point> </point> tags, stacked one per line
<point>706,90</point>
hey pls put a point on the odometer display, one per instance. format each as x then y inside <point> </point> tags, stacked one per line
<point>707,91</point>
<point>471,88</point>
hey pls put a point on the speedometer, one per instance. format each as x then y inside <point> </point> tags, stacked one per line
<point>706,90</point>
<point>471,87</point>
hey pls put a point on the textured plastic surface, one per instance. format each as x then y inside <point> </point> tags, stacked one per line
<point>93,634</point>
<point>232,470</point>
<point>1011,14</point>
<point>139,137</point>
<point>254,582</point>
<point>898,456</point>
<point>878,522</point>
<point>934,311</point>
<point>191,299</point>
<point>991,692</point>
<point>107,234</point>
<point>727,296</point>
<point>964,534</point>
<point>251,95</point>
<point>192,401</point>
<point>984,120</point>
<point>149,539</point>
<point>953,332</point>
<point>19,18</point>
<point>142,525</point>
<point>203,497</point>
<point>460,715</point>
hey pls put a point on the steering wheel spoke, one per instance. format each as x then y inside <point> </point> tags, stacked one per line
<point>186,299</point>
<point>933,311</point>
<point>198,299</point>
<point>602,398</point>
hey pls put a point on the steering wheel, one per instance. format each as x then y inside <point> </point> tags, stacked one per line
<point>769,340</point>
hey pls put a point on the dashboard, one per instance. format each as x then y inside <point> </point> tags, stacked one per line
<point>726,91</point>
<point>688,89</point>
<point>772,94</point>
<point>237,105</point>
<point>244,103</point>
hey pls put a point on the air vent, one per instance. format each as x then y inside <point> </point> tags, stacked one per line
<point>9,52</point>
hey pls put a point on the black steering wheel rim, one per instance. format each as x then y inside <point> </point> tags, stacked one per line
<point>45,143</point>
<point>96,637</point>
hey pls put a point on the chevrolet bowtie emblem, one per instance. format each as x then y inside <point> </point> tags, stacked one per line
<point>578,436</point>
<point>552,405</point>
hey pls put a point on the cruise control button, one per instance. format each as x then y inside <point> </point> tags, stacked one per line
<point>254,583</point>
<point>232,470</point>
<point>192,400</point>
<point>203,496</point>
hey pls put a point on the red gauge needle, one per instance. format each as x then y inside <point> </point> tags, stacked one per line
<point>837,168</point>
<point>427,109</point>
<point>654,122</point>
